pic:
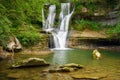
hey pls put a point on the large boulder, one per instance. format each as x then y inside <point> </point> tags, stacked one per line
<point>30,62</point>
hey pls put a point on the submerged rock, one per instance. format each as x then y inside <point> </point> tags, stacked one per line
<point>65,68</point>
<point>30,62</point>
<point>89,76</point>
<point>72,65</point>
<point>86,78</point>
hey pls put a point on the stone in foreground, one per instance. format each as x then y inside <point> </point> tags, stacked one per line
<point>65,68</point>
<point>72,65</point>
<point>30,62</point>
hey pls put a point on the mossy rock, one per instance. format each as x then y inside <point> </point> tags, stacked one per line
<point>30,62</point>
<point>72,65</point>
<point>65,68</point>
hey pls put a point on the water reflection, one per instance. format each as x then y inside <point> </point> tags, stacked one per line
<point>60,58</point>
<point>83,57</point>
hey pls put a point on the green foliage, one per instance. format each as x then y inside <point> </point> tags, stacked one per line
<point>114,32</point>
<point>19,11</point>
<point>82,1</point>
<point>16,16</point>
<point>82,24</point>
<point>29,38</point>
<point>27,34</point>
<point>94,6</point>
<point>115,29</point>
<point>4,30</point>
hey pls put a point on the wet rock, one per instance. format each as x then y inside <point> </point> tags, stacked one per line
<point>53,70</point>
<point>30,62</point>
<point>65,68</point>
<point>72,65</point>
<point>96,54</point>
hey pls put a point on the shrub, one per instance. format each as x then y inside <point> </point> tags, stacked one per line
<point>115,31</point>
<point>82,24</point>
<point>29,38</point>
<point>4,30</point>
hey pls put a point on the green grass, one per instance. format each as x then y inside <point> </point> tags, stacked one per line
<point>83,24</point>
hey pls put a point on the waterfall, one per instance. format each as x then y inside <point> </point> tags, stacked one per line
<point>49,22</point>
<point>60,33</point>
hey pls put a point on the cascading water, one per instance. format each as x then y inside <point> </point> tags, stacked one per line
<point>49,22</point>
<point>59,34</point>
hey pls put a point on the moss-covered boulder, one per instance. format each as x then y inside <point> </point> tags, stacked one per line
<point>30,62</point>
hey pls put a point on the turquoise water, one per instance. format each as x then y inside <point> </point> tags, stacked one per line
<point>108,65</point>
<point>83,57</point>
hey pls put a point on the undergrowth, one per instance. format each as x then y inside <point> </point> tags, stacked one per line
<point>83,24</point>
